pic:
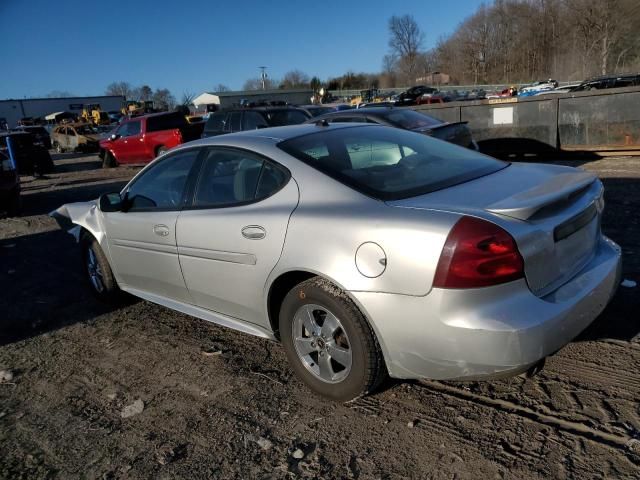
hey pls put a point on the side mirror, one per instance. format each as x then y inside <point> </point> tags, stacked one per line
<point>114,136</point>
<point>110,202</point>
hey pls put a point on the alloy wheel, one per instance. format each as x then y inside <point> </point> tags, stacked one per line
<point>321,343</point>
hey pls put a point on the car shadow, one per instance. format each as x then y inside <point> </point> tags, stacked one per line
<point>532,150</point>
<point>43,286</point>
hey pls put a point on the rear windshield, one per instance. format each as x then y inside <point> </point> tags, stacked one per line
<point>278,118</point>
<point>389,163</point>
<point>410,119</point>
<point>169,121</point>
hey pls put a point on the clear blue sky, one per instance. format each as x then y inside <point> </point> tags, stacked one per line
<point>192,45</point>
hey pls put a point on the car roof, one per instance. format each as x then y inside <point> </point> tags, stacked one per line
<point>279,134</point>
<point>265,108</point>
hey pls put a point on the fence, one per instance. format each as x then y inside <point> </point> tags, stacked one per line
<point>594,121</point>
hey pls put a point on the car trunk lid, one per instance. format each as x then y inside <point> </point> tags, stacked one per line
<point>552,212</point>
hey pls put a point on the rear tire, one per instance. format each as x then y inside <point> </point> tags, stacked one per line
<point>329,343</point>
<point>58,147</point>
<point>97,270</point>
<point>161,151</point>
<point>109,161</point>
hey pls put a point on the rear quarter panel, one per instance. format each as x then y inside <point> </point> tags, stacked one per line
<point>332,222</point>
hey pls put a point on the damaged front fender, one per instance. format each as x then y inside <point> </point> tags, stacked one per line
<point>73,217</point>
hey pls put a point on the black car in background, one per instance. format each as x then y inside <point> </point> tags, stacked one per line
<point>410,96</point>
<point>28,157</point>
<point>608,81</point>
<point>317,110</point>
<point>40,135</point>
<point>237,120</point>
<point>407,119</point>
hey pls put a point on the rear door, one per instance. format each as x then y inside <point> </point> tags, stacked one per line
<point>232,236</point>
<point>142,239</point>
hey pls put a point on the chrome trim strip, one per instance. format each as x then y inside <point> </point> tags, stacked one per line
<point>221,256</point>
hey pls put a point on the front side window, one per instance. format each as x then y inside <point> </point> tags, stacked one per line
<point>389,163</point>
<point>128,129</point>
<point>162,185</point>
<point>232,177</point>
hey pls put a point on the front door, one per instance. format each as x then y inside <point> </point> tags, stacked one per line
<point>129,146</point>
<point>142,239</point>
<point>233,235</point>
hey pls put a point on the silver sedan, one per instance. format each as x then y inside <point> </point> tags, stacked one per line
<point>366,250</point>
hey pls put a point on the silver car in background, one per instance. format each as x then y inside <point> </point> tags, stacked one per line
<point>364,249</point>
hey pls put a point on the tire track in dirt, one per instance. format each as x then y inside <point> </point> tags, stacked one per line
<point>598,374</point>
<point>618,441</point>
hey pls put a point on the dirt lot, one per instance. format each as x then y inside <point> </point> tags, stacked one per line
<point>143,392</point>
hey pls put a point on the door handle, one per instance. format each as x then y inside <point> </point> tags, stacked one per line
<point>254,232</point>
<point>161,230</point>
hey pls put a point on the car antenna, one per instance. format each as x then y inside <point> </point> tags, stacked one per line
<point>322,123</point>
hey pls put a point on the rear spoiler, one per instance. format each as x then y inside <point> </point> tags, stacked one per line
<point>560,188</point>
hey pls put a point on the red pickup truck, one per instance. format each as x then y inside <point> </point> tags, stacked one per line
<point>141,139</point>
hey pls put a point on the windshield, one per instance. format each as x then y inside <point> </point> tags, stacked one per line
<point>389,163</point>
<point>410,119</point>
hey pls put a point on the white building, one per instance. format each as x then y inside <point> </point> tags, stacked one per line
<point>220,100</point>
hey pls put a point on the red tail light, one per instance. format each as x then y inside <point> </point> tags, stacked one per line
<point>478,253</point>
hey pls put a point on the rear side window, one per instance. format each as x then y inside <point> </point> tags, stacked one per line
<point>168,121</point>
<point>234,177</point>
<point>216,122</point>
<point>389,163</point>
<point>279,118</point>
<point>252,120</point>
<point>234,122</point>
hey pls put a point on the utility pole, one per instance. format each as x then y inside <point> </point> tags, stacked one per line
<point>263,76</point>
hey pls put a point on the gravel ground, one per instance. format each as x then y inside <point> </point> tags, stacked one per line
<point>89,391</point>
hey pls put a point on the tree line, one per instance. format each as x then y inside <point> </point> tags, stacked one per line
<point>503,42</point>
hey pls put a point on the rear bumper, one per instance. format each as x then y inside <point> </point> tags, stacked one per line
<point>488,332</point>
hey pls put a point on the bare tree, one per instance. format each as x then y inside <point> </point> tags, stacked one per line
<point>221,87</point>
<point>295,79</point>
<point>145,93</point>
<point>187,98</point>
<point>406,40</point>
<point>163,99</point>
<point>120,88</point>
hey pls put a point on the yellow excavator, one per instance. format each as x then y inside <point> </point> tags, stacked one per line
<point>134,108</point>
<point>92,113</point>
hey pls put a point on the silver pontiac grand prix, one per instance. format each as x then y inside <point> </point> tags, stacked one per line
<point>366,250</point>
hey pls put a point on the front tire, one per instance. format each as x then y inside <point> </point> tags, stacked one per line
<point>97,270</point>
<point>109,161</point>
<point>328,342</point>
